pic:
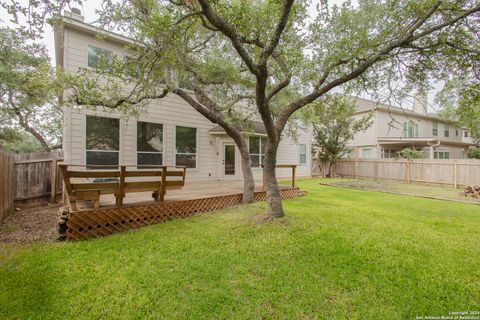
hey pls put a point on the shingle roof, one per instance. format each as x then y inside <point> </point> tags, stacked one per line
<point>258,127</point>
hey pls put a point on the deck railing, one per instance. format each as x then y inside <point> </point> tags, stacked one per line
<point>285,166</point>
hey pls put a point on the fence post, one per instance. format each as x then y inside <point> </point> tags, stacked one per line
<point>408,170</point>
<point>294,167</point>
<point>455,184</point>
<point>355,165</point>
<point>53,179</point>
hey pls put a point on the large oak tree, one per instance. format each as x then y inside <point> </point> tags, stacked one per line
<point>275,57</point>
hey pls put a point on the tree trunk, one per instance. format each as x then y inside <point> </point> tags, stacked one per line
<point>330,166</point>
<point>234,132</point>
<point>248,181</point>
<point>275,208</point>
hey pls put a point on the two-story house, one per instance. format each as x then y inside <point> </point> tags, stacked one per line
<point>170,132</point>
<point>394,129</point>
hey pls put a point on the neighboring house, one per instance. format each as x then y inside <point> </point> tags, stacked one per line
<point>394,129</point>
<point>170,132</point>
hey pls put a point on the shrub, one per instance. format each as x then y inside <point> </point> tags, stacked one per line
<point>411,153</point>
<point>473,153</point>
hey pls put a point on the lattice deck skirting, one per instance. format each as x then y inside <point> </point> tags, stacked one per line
<point>102,222</point>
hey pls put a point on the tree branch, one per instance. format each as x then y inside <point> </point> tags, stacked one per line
<point>120,101</point>
<point>229,32</point>
<point>282,23</point>
<point>23,122</point>
<point>408,36</point>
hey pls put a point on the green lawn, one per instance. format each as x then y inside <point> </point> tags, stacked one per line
<point>439,192</point>
<point>338,254</point>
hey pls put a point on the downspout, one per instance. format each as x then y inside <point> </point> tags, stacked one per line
<point>432,147</point>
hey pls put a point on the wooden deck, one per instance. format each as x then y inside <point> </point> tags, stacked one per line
<point>191,190</point>
<point>139,210</point>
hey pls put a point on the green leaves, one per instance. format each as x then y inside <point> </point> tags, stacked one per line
<point>334,125</point>
<point>411,153</point>
<point>29,89</point>
<point>460,102</point>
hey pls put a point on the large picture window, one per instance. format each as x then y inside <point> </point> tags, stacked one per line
<point>186,147</point>
<point>149,143</point>
<point>256,148</point>
<point>303,153</point>
<point>100,58</point>
<point>102,140</point>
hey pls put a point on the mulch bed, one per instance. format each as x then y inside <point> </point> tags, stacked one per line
<point>30,225</point>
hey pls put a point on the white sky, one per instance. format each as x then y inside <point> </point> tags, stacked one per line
<point>89,7</point>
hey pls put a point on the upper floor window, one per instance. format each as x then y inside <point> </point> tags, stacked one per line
<point>186,147</point>
<point>410,129</point>
<point>256,147</point>
<point>303,153</point>
<point>102,140</point>
<point>130,66</point>
<point>99,58</point>
<point>465,134</point>
<point>447,131</point>
<point>149,143</point>
<point>456,132</point>
<point>435,129</point>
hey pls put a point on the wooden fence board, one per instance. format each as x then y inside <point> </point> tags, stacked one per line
<point>6,185</point>
<point>35,175</point>
<point>454,172</point>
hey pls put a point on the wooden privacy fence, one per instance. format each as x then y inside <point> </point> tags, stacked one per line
<point>458,172</point>
<point>36,177</point>
<point>6,185</point>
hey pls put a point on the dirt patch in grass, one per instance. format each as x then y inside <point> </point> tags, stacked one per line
<point>428,191</point>
<point>30,225</point>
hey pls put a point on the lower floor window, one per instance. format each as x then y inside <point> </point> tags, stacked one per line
<point>101,157</point>
<point>186,147</point>
<point>149,143</point>
<point>347,154</point>
<point>366,153</point>
<point>102,141</point>
<point>441,155</point>
<point>149,158</point>
<point>389,153</point>
<point>256,148</point>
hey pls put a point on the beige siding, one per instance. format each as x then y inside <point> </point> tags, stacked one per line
<point>171,112</point>
<point>391,126</point>
<point>367,137</point>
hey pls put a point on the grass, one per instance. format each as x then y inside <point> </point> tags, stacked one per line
<point>337,255</point>
<point>442,192</point>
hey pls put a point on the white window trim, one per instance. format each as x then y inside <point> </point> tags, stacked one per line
<point>114,53</point>
<point>442,152</point>
<point>300,154</point>
<point>256,154</point>
<point>163,142</point>
<point>175,147</point>
<point>120,136</point>
<point>406,128</point>
<point>370,153</point>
